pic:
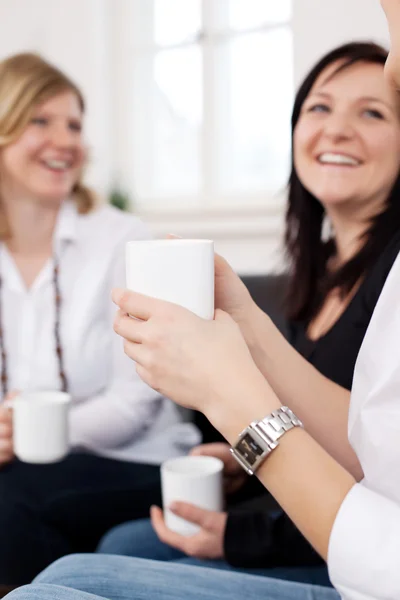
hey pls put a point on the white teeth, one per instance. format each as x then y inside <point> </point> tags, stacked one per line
<point>57,164</point>
<point>329,158</point>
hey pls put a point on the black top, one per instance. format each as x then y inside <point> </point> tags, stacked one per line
<point>259,533</point>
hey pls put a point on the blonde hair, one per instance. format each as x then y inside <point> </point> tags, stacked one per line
<point>27,80</point>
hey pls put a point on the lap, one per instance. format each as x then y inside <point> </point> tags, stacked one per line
<point>124,578</point>
<point>83,495</point>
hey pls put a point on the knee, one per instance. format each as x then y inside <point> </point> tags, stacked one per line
<point>33,592</point>
<point>65,569</point>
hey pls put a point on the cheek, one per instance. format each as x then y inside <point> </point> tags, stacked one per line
<point>385,150</point>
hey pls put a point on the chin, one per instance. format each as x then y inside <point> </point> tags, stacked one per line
<point>52,197</point>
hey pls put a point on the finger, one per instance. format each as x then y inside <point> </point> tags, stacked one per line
<point>5,431</point>
<point>167,536</point>
<point>5,415</point>
<point>134,304</point>
<point>173,236</point>
<point>139,353</point>
<point>221,265</point>
<point>6,457</point>
<point>216,449</point>
<point>192,513</point>
<point>128,328</point>
<point>6,446</point>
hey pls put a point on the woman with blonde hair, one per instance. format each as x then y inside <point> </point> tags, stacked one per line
<point>61,252</point>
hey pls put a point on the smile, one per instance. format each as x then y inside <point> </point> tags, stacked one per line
<point>334,158</point>
<point>57,165</point>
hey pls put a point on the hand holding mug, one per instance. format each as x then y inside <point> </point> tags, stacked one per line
<point>233,474</point>
<point>197,363</point>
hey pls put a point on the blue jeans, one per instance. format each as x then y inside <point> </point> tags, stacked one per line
<point>75,577</point>
<point>138,539</point>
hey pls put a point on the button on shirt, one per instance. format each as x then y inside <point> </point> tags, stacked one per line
<point>113,412</point>
<point>364,548</point>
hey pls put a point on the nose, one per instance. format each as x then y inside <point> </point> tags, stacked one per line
<point>338,126</point>
<point>62,136</point>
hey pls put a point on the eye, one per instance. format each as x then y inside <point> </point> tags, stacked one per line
<point>75,126</point>
<point>319,108</point>
<point>40,121</point>
<point>373,114</point>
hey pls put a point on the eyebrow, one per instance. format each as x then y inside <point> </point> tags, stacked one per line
<point>362,99</point>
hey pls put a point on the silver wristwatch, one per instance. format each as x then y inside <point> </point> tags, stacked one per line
<point>260,438</point>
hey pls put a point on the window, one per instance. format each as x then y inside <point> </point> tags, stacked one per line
<point>213,89</point>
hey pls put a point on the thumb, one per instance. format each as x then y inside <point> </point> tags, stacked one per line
<point>221,265</point>
<point>222,317</point>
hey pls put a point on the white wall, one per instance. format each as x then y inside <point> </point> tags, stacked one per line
<point>74,34</point>
<point>320,25</point>
<point>89,40</point>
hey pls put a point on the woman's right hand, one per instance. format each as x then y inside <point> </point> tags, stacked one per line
<point>234,476</point>
<point>6,435</point>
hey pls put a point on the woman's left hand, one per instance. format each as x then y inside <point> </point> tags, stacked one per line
<point>208,543</point>
<point>197,363</point>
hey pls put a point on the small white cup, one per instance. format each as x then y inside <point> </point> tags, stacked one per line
<point>177,270</point>
<point>193,479</point>
<point>40,426</point>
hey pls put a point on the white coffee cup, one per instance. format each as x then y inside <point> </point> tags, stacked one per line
<point>193,479</point>
<point>40,426</point>
<point>177,270</point>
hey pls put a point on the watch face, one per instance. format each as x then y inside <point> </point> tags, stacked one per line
<point>249,449</point>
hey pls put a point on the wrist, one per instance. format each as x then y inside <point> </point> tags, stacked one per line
<point>257,329</point>
<point>244,401</point>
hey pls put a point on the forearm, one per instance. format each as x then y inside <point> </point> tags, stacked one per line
<point>320,403</point>
<point>306,481</point>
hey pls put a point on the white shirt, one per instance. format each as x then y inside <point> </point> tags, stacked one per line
<point>364,548</point>
<point>113,412</point>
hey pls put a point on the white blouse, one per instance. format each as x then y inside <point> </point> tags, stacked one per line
<point>364,548</point>
<point>113,412</point>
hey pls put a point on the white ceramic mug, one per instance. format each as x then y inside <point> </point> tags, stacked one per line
<point>177,270</point>
<point>193,479</point>
<point>40,426</point>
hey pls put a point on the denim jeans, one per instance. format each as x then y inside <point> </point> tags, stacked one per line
<point>138,539</point>
<point>75,577</point>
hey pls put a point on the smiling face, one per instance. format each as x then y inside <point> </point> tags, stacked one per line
<point>347,139</point>
<point>45,162</point>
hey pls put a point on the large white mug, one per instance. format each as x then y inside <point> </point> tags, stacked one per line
<point>193,479</point>
<point>177,270</point>
<point>40,426</point>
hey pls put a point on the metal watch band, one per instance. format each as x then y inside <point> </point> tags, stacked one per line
<point>260,438</point>
<point>273,427</point>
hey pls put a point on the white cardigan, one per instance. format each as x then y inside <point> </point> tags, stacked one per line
<point>364,549</point>
<point>113,412</point>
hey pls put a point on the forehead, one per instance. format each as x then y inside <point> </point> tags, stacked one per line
<point>354,82</point>
<point>65,103</point>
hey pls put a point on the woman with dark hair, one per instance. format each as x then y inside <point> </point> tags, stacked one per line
<point>344,181</point>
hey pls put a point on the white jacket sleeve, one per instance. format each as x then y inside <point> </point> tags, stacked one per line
<point>364,547</point>
<point>127,407</point>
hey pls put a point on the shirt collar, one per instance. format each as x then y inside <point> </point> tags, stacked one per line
<point>67,224</point>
